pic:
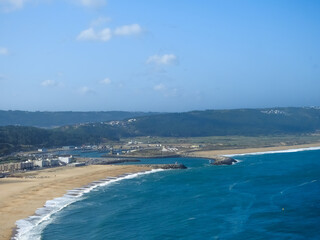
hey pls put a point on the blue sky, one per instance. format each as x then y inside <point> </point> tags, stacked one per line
<point>160,55</point>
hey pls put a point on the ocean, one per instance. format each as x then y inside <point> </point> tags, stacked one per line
<point>263,196</point>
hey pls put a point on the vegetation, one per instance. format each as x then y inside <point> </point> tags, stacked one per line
<point>245,122</point>
<point>241,122</point>
<point>17,138</point>
<point>56,119</point>
<point>232,142</point>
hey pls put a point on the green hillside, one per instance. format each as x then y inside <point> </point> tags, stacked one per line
<point>239,122</point>
<point>247,122</point>
<point>19,138</point>
<point>55,119</point>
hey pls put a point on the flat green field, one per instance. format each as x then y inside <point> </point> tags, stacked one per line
<point>232,142</point>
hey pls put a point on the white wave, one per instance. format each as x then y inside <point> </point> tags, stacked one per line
<point>237,161</point>
<point>270,152</point>
<point>31,228</point>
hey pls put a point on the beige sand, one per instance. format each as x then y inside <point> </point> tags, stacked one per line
<point>21,196</point>
<point>213,153</point>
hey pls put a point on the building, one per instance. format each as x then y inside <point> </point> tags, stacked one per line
<point>54,162</point>
<point>27,165</point>
<point>41,163</point>
<point>66,159</point>
<point>68,147</point>
<point>11,167</point>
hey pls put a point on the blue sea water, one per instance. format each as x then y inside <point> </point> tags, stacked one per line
<point>267,196</point>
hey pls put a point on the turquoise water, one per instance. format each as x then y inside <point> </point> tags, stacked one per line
<point>268,196</point>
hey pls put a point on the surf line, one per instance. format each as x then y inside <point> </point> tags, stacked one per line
<point>278,151</point>
<point>32,226</point>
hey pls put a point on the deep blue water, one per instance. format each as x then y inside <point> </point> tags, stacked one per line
<point>268,196</point>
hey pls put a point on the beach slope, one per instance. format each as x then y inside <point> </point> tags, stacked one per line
<point>23,194</point>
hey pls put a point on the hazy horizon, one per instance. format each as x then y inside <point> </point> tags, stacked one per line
<point>191,110</point>
<point>158,56</point>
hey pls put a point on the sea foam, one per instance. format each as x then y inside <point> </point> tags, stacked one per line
<point>32,227</point>
<point>279,151</point>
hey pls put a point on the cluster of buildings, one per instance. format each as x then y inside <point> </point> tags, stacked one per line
<point>11,167</point>
<point>169,149</point>
<point>38,163</point>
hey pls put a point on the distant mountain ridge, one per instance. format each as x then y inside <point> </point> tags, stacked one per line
<point>57,119</point>
<point>291,120</point>
<point>102,127</point>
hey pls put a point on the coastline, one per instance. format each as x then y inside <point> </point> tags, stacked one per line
<point>21,196</point>
<point>231,152</point>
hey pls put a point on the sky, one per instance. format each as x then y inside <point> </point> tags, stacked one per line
<point>159,55</point>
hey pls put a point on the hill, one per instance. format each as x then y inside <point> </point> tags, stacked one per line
<point>19,138</point>
<point>241,122</point>
<point>247,122</point>
<point>56,119</point>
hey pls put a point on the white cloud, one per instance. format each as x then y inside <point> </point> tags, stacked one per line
<point>105,35</point>
<point>166,59</point>
<point>132,29</point>
<point>85,90</point>
<point>93,3</point>
<point>90,34</point>
<point>100,21</point>
<point>51,83</point>
<point>159,87</point>
<point>4,51</point>
<point>105,81</point>
<point>10,5</point>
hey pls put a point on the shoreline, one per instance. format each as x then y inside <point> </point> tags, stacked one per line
<point>244,151</point>
<point>32,226</point>
<point>22,196</point>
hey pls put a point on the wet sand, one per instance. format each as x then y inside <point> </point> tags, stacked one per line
<point>21,196</point>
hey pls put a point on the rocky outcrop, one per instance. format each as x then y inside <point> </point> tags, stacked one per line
<point>105,161</point>
<point>167,166</point>
<point>222,160</point>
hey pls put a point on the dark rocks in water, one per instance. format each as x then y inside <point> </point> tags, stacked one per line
<point>222,160</point>
<point>174,166</point>
<point>167,166</point>
<point>104,161</point>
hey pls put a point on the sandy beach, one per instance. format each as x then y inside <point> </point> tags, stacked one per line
<point>213,153</point>
<point>21,196</point>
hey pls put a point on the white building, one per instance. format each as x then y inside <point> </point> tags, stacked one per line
<point>66,160</point>
<point>41,163</point>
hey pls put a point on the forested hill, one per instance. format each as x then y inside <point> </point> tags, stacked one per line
<point>55,119</point>
<point>17,138</point>
<point>230,122</point>
<point>186,124</point>
<point>245,122</point>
